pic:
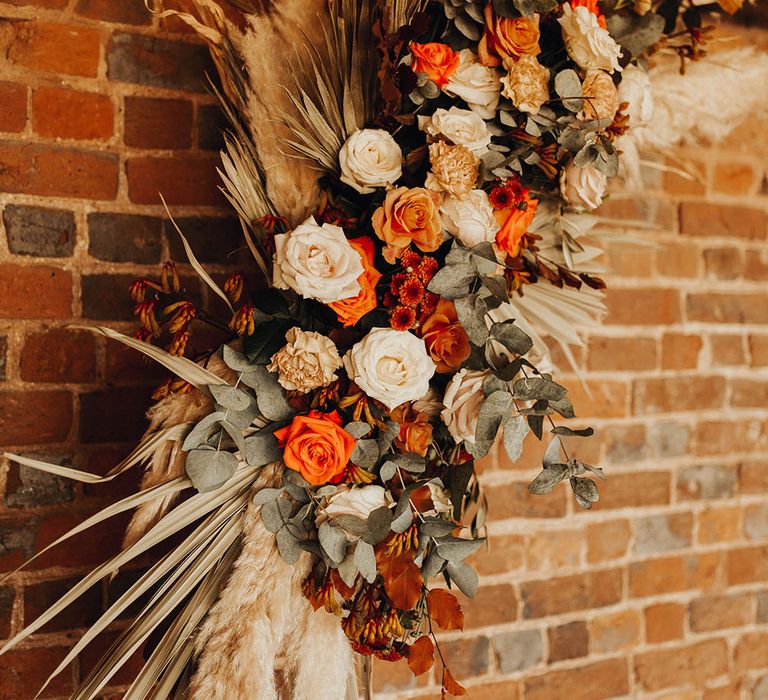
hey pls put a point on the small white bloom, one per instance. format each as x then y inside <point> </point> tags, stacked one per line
<point>476,84</point>
<point>462,400</point>
<point>462,127</point>
<point>359,502</point>
<point>308,361</point>
<point>471,219</point>
<point>317,262</point>
<point>390,366</point>
<point>440,499</point>
<point>583,188</point>
<point>587,42</point>
<point>635,90</point>
<point>370,158</point>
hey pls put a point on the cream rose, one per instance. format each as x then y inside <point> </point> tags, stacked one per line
<point>476,84</point>
<point>635,90</point>
<point>462,400</point>
<point>587,42</point>
<point>317,262</point>
<point>603,102</point>
<point>527,84</point>
<point>390,366</point>
<point>308,361</point>
<point>471,219</point>
<point>583,188</point>
<point>460,126</point>
<point>370,158</point>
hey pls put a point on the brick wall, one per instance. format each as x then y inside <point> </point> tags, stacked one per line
<point>661,591</point>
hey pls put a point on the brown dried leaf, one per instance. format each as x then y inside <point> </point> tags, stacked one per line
<point>445,610</point>
<point>405,590</point>
<point>451,686</point>
<point>421,655</point>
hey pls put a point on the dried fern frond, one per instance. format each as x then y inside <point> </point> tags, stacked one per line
<point>337,94</point>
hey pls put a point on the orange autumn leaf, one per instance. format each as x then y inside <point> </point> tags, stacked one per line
<point>421,655</point>
<point>445,610</point>
<point>345,591</point>
<point>450,685</point>
<point>391,567</point>
<point>404,590</point>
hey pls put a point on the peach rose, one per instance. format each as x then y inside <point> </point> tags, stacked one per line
<point>514,223</point>
<point>438,61</point>
<point>316,446</point>
<point>506,39</point>
<point>446,340</point>
<point>350,311</point>
<point>408,215</point>
<point>415,430</point>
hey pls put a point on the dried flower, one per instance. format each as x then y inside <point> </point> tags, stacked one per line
<point>146,313</point>
<point>243,322</point>
<point>170,278</point>
<point>527,84</point>
<point>601,98</point>
<point>182,313</point>
<point>454,169</point>
<point>138,290</point>
<point>233,287</point>
<point>308,361</point>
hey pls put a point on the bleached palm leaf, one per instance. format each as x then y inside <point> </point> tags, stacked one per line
<point>398,13</point>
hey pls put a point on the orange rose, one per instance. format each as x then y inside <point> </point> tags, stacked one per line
<point>438,61</point>
<point>350,311</point>
<point>446,340</point>
<point>593,7</point>
<point>514,223</point>
<point>415,430</point>
<point>316,446</point>
<point>730,6</point>
<point>408,215</point>
<point>507,38</point>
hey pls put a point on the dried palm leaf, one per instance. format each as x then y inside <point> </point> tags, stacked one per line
<point>335,93</point>
<point>398,13</point>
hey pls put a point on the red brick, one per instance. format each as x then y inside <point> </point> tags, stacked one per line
<point>747,564</point>
<point>39,597</point>
<point>71,114</point>
<point>752,652</point>
<point>753,476</point>
<point>734,178</point>
<point>727,350</point>
<point>508,690</point>
<point>679,260</point>
<point>13,115</point>
<point>730,691</point>
<point>707,219</point>
<point>59,355</point>
<point>55,48</point>
<point>504,553</point>
<point>94,652</point>
<point>756,265</point>
<point>719,437</point>
<point>492,605</point>
<point>554,596</point>
<point>514,501</point>
<point>189,180</point>
<point>623,443</point>
<point>114,414</point>
<point>676,393</point>
<point>53,171</point>
<point>663,532</point>
<point>568,641</point>
<point>7,597</point>
<point>749,393</point>
<point>24,671</point>
<point>607,399</point>
<point>642,307</point>
<point>634,490</point>
<point>680,351</point>
<point>696,183</point>
<point>614,632</point>
<point>723,263</point>
<point>35,292</point>
<point>152,122</point>
<point>670,574</point>
<point>664,622</point>
<point>605,679</point>
<point>646,208</point>
<point>719,525</point>
<point>391,678</point>
<point>727,308</point>
<point>622,354</point>
<point>124,364</point>
<point>758,350</point>
<point>30,417</point>
<point>692,665</point>
<point>720,612</point>
<point>551,551</point>
<point>607,540</point>
<point>123,12</point>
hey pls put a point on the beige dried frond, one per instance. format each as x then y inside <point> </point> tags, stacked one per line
<point>398,13</point>
<point>335,91</point>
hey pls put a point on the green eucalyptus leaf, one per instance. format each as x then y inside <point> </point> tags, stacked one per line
<point>201,433</point>
<point>454,549</point>
<point>235,360</point>
<point>403,521</point>
<point>388,470</point>
<point>568,87</point>
<point>634,32</point>
<point>464,577</point>
<point>515,432</point>
<point>547,479</point>
<point>210,469</point>
<point>493,411</point>
<point>357,527</point>
<point>433,565</point>
<point>538,388</point>
<point>436,527</point>
<point>358,429</point>
<point>348,570</point>
<point>230,397</point>
<point>471,311</point>
<point>585,491</point>
<point>270,396</point>
<point>512,337</point>
<point>288,545</point>
<point>333,541</point>
<point>365,454</point>
<point>552,453</point>
<point>266,495</point>
<point>261,448</point>
<point>572,432</point>
<point>365,560</point>
<point>387,436</point>
<point>378,525</point>
<point>453,281</point>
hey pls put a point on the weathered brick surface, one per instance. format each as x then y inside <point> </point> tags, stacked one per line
<point>658,592</point>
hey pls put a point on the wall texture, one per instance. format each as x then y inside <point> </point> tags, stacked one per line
<point>660,592</point>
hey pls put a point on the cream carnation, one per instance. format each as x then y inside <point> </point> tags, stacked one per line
<point>462,400</point>
<point>603,101</point>
<point>317,262</point>
<point>390,366</point>
<point>635,90</point>
<point>471,219</point>
<point>476,84</point>
<point>370,158</point>
<point>308,361</point>
<point>587,42</point>
<point>460,126</point>
<point>527,84</point>
<point>359,502</point>
<point>583,188</point>
<point>454,169</point>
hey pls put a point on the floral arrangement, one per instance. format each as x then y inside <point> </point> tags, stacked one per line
<point>391,336</point>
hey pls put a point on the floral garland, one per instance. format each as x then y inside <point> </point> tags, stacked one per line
<point>382,353</point>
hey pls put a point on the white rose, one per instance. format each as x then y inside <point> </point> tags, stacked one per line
<point>390,366</point>
<point>317,262</point>
<point>587,42</point>
<point>359,502</point>
<point>462,400</point>
<point>308,361</point>
<point>635,90</point>
<point>441,501</point>
<point>461,126</point>
<point>583,188</point>
<point>370,158</point>
<point>471,219</point>
<point>478,85</point>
